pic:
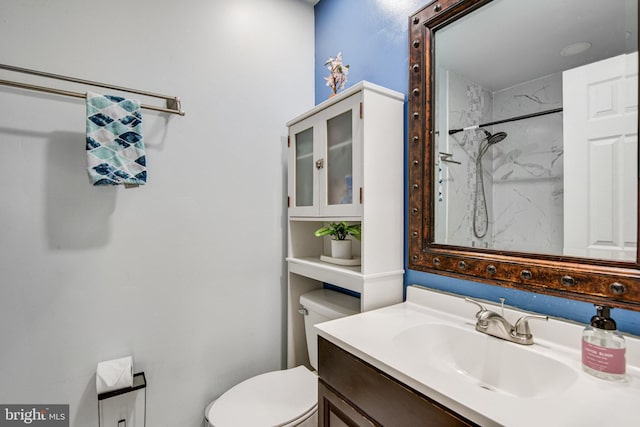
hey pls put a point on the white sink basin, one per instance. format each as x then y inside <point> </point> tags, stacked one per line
<point>487,362</point>
<point>429,343</point>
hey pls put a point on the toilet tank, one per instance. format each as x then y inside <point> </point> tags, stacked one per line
<point>323,305</point>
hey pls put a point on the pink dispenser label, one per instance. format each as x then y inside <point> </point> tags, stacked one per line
<point>603,359</point>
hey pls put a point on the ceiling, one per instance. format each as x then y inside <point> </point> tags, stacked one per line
<point>508,42</point>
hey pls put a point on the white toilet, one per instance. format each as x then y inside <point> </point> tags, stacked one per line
<point>283,398</point>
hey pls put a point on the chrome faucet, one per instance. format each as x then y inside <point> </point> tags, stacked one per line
<point>491,323</point>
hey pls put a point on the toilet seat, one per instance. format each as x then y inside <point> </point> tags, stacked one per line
<point>274,399</point>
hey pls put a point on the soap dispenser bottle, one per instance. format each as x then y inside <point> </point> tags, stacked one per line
<point>603,347</point>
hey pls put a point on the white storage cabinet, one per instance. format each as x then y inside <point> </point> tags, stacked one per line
<point>346,164</point>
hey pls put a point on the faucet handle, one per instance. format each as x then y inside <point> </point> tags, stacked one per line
<point>482,307</point>
<point>522,325</point>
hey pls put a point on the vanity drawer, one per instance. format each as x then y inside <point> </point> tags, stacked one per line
<point>376,395</point>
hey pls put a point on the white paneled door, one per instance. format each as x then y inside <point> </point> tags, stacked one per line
<point>601,158</point>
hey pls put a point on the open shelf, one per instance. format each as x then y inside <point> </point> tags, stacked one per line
<point>306,247</point>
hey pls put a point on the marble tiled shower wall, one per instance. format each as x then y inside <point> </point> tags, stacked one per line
<point>522,174</point>
<point>469,104</point>
<point>527,169</point>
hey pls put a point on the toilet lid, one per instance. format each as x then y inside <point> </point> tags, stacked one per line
<point>272,399</point>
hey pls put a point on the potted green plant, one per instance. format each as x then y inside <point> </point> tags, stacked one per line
<point>340,245</point>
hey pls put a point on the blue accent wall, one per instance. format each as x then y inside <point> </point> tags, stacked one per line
<point>372,36</point>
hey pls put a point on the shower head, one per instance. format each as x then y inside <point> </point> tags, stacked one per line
<point>494,139</point>
<point>482,149</point>
<point>491,140</point>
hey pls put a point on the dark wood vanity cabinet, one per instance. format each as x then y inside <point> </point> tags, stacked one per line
<point>353,393</point>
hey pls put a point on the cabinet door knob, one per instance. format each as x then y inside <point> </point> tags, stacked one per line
<point>319,164</point>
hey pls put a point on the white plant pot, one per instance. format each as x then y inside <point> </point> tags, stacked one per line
<point>341,249</point>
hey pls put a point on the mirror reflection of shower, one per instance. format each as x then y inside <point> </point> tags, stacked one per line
<point>480,212</point>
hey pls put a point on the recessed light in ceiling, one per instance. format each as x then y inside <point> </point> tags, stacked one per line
<point>576,48</point>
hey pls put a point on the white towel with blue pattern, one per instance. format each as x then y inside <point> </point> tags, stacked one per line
<point>115,146</point>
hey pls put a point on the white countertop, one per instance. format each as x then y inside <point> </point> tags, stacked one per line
<point>587,401</point>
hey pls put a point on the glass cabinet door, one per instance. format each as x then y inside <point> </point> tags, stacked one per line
<point>340,159</point>
<point>303,150</point>
<point>340,177</point>
<point>324,166</point>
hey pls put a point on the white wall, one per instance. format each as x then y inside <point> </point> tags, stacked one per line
<point>185,273</point>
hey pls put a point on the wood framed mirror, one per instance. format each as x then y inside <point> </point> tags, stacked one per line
<point>480,85</point>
